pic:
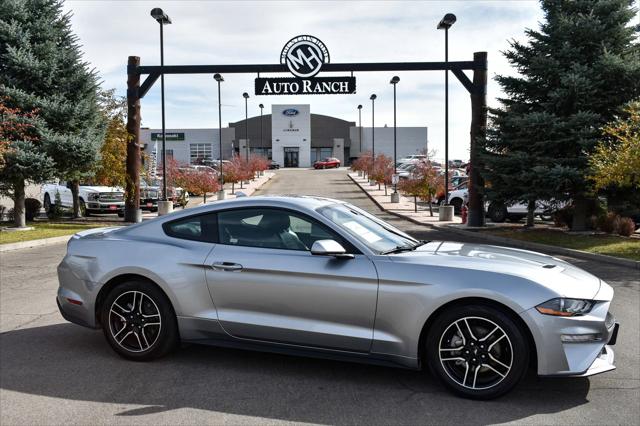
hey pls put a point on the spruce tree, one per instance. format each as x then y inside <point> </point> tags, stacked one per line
<point>575,73</point>
<point>41,68</point>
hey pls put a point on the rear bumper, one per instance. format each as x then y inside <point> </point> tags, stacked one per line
<point>76,296</point>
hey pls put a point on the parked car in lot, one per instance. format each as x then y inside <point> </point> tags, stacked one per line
<point>315,276</point>
<point>499,212</point>
<point>92,198</point>
<point>150,194</point>
<point>327,163</point>
<point>455,183</point>
<point>274,165</point>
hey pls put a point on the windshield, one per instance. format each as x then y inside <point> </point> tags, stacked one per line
<point>380,237</point>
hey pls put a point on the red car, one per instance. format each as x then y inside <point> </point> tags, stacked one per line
<point>327,163</point>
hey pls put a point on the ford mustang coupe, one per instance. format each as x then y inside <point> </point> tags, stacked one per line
<point>320,277</point>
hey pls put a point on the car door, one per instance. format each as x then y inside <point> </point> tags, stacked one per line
<point>267,285</point>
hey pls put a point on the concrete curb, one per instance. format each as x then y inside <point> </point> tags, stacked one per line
<point>578,254</point>
<point>381,207</point>
<point>34,243</point>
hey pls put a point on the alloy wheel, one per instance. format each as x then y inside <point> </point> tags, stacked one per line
<point>135,321</point>
<point>475,353</point>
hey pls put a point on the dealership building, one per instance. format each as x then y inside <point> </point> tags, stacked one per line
<point>291,135</point>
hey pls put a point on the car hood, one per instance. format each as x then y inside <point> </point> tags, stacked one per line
<point>559,276</point>
<point>101,188</point>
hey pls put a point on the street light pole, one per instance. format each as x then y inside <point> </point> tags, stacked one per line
<point>163,19</point>
<point>373,131</point>
<point>245,95</point>
<point>261,139</point>
<point>219,79</point>
<point>447,21</point>
<point>395,197</point>
<point>360,126</point>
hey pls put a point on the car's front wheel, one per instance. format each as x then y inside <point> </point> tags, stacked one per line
<point>477,351</point>
<point>138,321</point>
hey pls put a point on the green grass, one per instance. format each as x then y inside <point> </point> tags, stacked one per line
<point>45,230</point>
<point>610,245</point>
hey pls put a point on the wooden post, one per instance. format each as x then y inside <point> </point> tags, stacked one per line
<point>132,190</point>
<point>478,132</point>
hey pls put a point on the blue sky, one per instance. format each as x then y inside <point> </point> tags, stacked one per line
<point>247,32</point>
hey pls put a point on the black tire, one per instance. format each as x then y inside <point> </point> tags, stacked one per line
<point>83,208</point>
<point>47,203</point>
<point>457,205</point>
<point>498,212</point>
<point>512,352</point>
<point>152,342</point>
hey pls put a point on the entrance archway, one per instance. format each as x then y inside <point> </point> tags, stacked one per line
<point>308,63</point>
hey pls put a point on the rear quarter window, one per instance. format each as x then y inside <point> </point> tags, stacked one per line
<point>203,227</point>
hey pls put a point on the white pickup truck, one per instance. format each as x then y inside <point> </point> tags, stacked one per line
<point>93,199</point>
<point>499,212</point>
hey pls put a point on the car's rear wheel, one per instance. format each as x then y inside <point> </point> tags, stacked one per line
<point>138,321</point>
<point>477,351</point>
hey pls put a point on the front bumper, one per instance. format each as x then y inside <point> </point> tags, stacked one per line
<point>105,207</point>
<point>602,364</point>
<point>575,346</point>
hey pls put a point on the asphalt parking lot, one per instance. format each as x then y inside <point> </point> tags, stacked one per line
<point>53,372</point>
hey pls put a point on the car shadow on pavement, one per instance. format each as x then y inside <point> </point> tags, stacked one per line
<point>69,362</point>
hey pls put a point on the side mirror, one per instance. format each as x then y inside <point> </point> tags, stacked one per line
<point>330,248</point>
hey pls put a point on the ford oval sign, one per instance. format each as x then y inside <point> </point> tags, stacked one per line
<point>290,112</point>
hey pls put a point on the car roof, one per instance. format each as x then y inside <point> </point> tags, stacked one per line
<point>303,202</point>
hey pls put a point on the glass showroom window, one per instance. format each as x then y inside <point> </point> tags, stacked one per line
<point>198,152</point>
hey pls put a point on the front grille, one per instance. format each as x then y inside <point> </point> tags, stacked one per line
<point>111,197</point>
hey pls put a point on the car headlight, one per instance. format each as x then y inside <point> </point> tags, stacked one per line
<point>94,196</point>
<point>563,307</point>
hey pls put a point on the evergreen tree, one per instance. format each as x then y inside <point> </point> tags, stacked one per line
<point>41,68</point>
<point>23,158</point>
<point>575,73</point>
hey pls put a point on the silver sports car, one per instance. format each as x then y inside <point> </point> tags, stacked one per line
<point>320,277</point>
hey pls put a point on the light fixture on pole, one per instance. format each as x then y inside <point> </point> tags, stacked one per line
<point>373,132</point>
<point>261,140</point>
<point>447,21</point>
<point>360,126</point>
<point>163,19</point>
<point>395,197</point>
<point>219,79</point>
<point>245,95</point>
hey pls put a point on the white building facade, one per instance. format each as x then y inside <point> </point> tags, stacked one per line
<point>291,136</point>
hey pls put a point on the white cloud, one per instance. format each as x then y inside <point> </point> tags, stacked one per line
<point>208,32</point>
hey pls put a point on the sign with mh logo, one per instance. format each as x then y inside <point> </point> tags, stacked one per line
<point>304,56</point>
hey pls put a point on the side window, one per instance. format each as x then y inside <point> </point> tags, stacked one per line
<point>270,228</point>
<point>200,228</point>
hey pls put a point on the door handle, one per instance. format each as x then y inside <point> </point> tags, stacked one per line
<point>227,266</point>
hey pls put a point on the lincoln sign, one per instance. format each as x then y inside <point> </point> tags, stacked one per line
<point>304,56</point>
